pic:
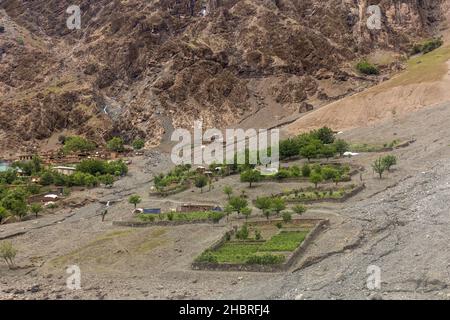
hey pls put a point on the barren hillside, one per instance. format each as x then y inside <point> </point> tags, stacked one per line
<point>135,66</point>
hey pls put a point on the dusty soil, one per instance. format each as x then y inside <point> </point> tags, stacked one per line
<point>398,224</point>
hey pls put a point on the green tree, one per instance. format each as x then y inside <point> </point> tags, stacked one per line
<point>289,148</point>
<point>341,146</point>
<point>200,182</point>
<point>389,161</point>
<point>278,205</point>
<point>107,179</point>
<point>135,200</point>
<point>325,134</point>
<point>246,211</point>
<point>316,178</point>
<point>311,150</point>
<point>337,177</point>
<point>3,214</point>
<point>238,203</point>
<point>263,203</point>
<point>115,144</point>
<point>328,173</point>
<point>77,144</point>
<point>228,191</point>
<point>299,209</point>
<point>250,176</point>
<point>138,144</point>
<point>328,151</point>
<point>46,178</point>
<point>36,208</point>
<point>379,167</point>
<point>228,210</point>
<point>15,202</point>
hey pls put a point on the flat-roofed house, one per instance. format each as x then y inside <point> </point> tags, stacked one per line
<point>65,170</point>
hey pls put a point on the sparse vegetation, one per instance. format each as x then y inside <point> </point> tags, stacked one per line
<point>367,68</point>
<point>8,253</point>
<point>116,144</point>
<point>427,46</point>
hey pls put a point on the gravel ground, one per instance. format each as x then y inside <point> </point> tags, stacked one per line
<point>398,224</point>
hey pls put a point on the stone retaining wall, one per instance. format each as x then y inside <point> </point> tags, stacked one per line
<point>290,260</point>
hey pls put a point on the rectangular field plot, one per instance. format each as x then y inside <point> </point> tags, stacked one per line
<point>259,246</point>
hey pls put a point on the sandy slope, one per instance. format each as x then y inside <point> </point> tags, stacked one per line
<point>425,83</point>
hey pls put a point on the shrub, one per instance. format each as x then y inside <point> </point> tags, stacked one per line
<point>427,46</point>
<point>216,216</point>
<point>116,144</point>
<point>238,203</point>
<point>389,161</point>
<point>299,209</point>
<point>287,217</point>
<point>170,216</point>
<point>367,68</point>
<point>306,170</point>
<point>228,191</point>
<point>8,253</point>
<point>282,174</point>
<point>279,225</point>
<point>258,235</point>
<point>316,178</point>
<point>138,144</point>
<point>200,182</point>
<point>265,259</point>
<point>3,214</point>
<point>242,234</point>
<point>379,167</point>
<point>278,205</point>
<point>207,257</point>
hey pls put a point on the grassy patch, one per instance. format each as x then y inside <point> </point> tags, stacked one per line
<point>426,68</point>
<point>177,216</point>
<point>284,241</point>
<point>273,251</point>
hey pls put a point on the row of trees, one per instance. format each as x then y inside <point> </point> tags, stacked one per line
<point>80,144</point>
<point>319,143</point>
<point>382,164</point>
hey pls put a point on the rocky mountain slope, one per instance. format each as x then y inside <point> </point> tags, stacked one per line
<point>141,68</point>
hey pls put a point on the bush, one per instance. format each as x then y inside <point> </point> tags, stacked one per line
<point>279,225</point>
<point>427,46</point>
<point>8,253</point>
<point>367,68</point>
<point>389,161</point>
<point>258,235</point>
<point>299,209</point>
<point>207,257</point>
<point>306,170</point>
<point>116,144</point>
<point>287,217</point>
<point>138,144</point>
<point>265,259</point>
<point>216,216</point>
<point>242,234</point>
